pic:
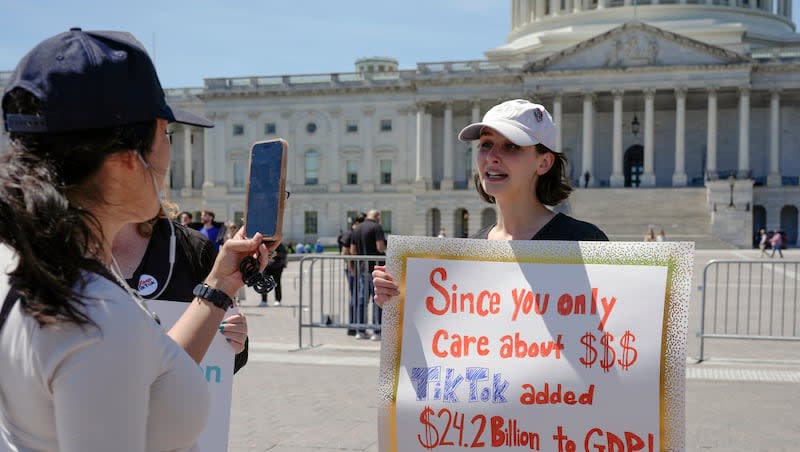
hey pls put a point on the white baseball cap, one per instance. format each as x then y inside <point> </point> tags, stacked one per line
<point>522,122</point>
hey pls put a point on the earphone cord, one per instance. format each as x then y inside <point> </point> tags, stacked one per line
<point>171,259</point>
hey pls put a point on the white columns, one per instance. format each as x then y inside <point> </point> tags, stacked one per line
<point>187,160</point>
<point>539,9</point>
<point>514,13</point>
<point>744,132</point>
<point>476,116</point>
<point>447,179</point>
<point>588,138</point>
<point>774,177</point>
<point>420,141</point>
<point>286,117</point>
<point>524,13</point>
<point>555,7</point>
<point>330,161</point>
<point>617,177</point>
<point>557,114</point>
<point>711,137</point>
<point>368,183</point>
<point>679,178</point>
<point>649,177</point>
<point>411,135</point>
<point>428,146</point>
<point>210,147</point>
<point>577,6</point>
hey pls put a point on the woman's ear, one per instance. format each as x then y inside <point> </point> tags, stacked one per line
<point>545,163</point>
<point>127,159</point>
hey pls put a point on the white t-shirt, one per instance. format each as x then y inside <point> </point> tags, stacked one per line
<point>125,387</point>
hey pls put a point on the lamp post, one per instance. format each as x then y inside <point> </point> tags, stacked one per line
<point>635,126</point>
<point>731,182</point>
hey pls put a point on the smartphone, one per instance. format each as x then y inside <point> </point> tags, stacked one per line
<point>266,189</point>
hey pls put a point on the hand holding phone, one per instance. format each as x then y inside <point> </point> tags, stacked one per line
<point>266,189</point>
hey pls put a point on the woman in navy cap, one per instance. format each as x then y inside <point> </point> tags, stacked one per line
<point>520,170</point>
<point>85,365</point>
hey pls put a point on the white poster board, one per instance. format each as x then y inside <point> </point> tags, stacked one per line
<point>551,346</point>
<point>217,368</point>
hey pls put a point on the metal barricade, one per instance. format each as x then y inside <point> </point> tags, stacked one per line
<point>755,300</point>
<point>336,292</point>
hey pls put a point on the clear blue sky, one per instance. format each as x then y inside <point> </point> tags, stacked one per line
<point>192,40</point>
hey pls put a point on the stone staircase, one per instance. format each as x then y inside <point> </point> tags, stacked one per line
<point>625,214</point>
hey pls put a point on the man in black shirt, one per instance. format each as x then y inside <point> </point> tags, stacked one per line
<point>369,240</point>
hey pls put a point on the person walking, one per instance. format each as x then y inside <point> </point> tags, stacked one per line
<point>763,241</point>
<point>519,170</point>
<point>87,121</point>
<point>777,243</point>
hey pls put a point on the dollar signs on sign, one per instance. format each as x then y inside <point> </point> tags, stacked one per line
<point>625,342</point>
<point>431,438</point>
<point>591,353</point>
<point>607,362</point>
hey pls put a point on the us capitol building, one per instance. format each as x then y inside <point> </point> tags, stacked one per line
<point>684,113</point>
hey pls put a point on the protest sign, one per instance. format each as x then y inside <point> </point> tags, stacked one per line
<point>217,368</point>
<point>534,345</point>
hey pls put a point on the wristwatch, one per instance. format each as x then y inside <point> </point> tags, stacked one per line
<point>217,297</point>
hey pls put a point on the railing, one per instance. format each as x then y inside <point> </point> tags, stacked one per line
<point>336,292</point>
<point>750,300</point>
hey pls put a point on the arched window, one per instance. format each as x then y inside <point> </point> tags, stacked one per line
<point>312,167</point>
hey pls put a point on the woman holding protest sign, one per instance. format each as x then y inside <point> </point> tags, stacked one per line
<point>87,118</point>
<point>520,170</point>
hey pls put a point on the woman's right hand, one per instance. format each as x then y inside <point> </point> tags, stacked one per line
<point>385,287</point>
<point>225,274</point>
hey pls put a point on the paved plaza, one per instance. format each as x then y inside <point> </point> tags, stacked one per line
<point>743,397</point>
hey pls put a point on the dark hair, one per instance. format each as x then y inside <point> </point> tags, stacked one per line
<point>56,240</point>
<point>551,188</point>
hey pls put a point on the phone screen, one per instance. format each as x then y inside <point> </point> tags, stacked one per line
<point>266,189</point>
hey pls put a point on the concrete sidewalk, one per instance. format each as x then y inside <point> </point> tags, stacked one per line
<point>323,399</point>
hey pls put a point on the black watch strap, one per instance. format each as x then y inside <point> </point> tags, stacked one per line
<point>217,297</point>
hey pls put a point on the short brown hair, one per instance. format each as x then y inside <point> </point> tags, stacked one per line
<point>551,188</point>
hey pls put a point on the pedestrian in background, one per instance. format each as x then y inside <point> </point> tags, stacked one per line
<point>369,240</point>
<point>777,243</point>
<point>763,241</point>
<point>212,229</point>
<point>275,268</point>
<point>355,314</point>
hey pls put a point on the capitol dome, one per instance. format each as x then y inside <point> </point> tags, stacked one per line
<point>540,28</point>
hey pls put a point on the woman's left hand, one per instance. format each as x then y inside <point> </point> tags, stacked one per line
<point>234,328</point>
<point>225,274</point>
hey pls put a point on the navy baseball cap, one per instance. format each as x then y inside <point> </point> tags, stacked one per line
<point>90,80</point>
